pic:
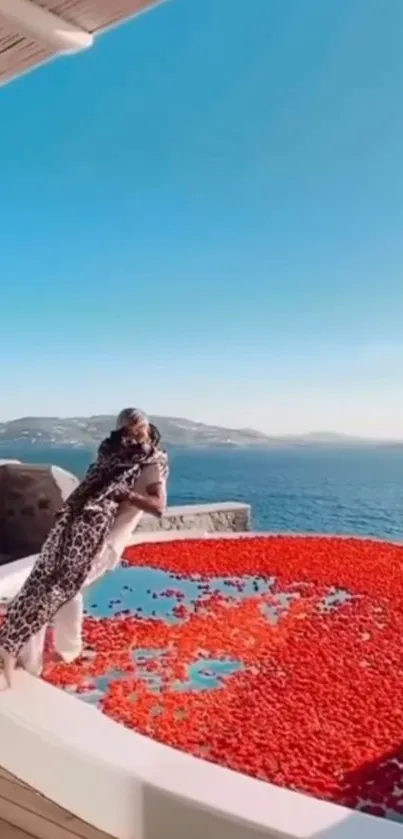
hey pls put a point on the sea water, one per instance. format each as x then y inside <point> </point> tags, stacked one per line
<point>312,489</point>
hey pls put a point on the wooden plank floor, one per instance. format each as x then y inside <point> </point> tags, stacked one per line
<point>25,814</point>
<point>7,831</point>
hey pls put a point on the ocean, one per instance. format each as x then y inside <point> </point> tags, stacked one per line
<point>355,491</point>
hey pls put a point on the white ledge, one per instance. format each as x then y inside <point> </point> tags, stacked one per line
<point>198,509</point>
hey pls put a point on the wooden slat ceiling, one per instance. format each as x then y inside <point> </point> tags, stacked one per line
<point>95,15</point>
<point>20,53</point>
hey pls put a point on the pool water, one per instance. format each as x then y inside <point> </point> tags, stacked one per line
<point>157,595</point>
<point>153,594</point>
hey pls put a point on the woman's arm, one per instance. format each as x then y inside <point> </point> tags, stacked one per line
<point>152,504</point>
<point>155,498</point>
<point>157,492</point>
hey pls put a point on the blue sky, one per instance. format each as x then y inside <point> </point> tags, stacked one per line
<point>203,215</point>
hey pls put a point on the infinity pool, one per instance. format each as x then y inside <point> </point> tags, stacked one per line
<point>277,657</point>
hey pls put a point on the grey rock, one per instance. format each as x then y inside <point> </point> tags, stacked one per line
<point>30,497</point>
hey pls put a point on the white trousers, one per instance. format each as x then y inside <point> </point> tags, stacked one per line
<point>68,622</point>
<point>67,633</point>
<point>67,628</point>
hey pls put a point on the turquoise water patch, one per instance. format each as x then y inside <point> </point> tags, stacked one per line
<point>208,674</point>
<point>152,593</point>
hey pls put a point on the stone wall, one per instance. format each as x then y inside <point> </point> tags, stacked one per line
<point>30,497</point>
<point>225,517</point>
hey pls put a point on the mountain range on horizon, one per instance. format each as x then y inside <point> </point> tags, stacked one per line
<point>175,431</point>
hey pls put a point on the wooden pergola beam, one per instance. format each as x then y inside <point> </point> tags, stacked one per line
<point>41,25</point>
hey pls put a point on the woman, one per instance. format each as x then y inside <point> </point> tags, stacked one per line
<point>68,621</point>
<point>72,553</point>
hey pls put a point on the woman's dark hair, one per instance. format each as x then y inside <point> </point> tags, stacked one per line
<point>155,435</point>
<point>113,443</point>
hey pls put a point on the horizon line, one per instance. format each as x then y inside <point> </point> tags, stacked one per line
<point>269,435</point>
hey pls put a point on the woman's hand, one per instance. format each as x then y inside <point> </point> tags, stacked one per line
<point>155,507</point>
<point>147,503</point>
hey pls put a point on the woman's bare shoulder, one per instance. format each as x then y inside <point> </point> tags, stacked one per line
<point>157,468</point>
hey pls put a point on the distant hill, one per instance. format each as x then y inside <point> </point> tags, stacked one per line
<point>87,431</point>
<point>328,438</point>
<point>176,431</point>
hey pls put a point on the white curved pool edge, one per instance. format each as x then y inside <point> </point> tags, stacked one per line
<point>134,788</point>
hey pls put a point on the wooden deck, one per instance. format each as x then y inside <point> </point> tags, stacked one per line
<point>25,814</point>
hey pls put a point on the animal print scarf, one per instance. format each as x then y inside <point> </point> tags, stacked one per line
<point>92,506</point>
<point>80,529</point>
<point>117,468</point>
